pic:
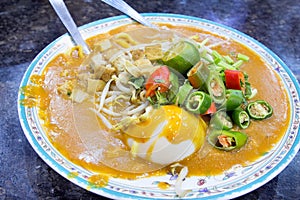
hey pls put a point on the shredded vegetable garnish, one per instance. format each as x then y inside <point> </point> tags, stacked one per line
<point>137,109</point>
<point>104,94</point>
<point>111,113</point>
<point>104,119</point>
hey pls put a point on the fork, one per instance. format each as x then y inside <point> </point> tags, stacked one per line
<point>128,10</point>
<point>66,18</point>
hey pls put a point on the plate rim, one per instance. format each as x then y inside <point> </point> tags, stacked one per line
<point>112,194</point>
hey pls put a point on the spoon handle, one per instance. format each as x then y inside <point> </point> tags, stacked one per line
<point>128,10</point>
<point>66,18</point>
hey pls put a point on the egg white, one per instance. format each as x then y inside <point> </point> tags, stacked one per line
<point>159,146</point>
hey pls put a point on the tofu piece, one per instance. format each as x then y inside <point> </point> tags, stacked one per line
<point>137,54</point>
<point>103,45</point>
<point>154,52</point>
<point>95,85</point>
<point>97,60</point>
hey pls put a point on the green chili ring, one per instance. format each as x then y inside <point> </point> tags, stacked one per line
<point>259,110</point>
<point>234,98</point>
<point>183,93</point>
<point>216,88</point>
<point>198,75</point>
<point>198,102</point>
<point>220,120</point>
<point>241,118</point>
<point>235,139</point>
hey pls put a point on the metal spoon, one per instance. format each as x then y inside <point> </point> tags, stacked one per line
<point>128,10</point>
<point>66,18</point>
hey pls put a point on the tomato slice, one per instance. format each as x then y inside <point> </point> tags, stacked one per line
<point>159,80</point>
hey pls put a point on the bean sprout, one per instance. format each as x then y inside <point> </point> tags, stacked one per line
<point>121,87</point>
<point>138,109</point>
<point>111,113</point>
<point>103,95</point>
<point>110,99</point>
<point>103,118</point>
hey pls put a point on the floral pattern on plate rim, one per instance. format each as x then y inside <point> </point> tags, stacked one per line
<point>232,183</point>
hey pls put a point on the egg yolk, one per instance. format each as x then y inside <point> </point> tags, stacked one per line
<point>170,134</point>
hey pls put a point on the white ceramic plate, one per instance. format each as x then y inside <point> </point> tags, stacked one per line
<point>230,184</point>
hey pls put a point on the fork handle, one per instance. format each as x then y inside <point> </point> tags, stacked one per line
<point>66,18</point>
<point>128,10</point>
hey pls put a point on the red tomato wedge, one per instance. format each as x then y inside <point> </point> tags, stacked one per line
<point>159,80</point>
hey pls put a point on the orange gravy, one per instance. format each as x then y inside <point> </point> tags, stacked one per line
<point>263,135</point>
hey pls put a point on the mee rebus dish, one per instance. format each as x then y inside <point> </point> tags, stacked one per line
<point>194,109</point>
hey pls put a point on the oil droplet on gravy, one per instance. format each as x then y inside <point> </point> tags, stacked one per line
<point>262,135</point>
<point>163,185</point>
<point>98,180</point>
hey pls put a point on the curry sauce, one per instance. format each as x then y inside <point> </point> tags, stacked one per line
<point>60,127</point>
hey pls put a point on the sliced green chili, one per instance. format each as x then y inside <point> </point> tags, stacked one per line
<point>220,120</point>
<point>259,109</point>
<point>198,102</point>
<point>241,118</point>
<point>234,98</point>
<point>174,87</point>
<point>198,75</point>
<point>227,140</point>
<point>183,93</point>
<point>216,88</point>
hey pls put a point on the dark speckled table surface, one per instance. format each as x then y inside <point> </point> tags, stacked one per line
<point>27,26</point>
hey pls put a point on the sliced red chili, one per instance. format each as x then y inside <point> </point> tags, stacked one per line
<point>212,109</point>
<point>159,80</point>
<point>234,79</point>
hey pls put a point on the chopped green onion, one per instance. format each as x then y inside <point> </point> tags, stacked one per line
<point>205,56</point>
<point>225,65</point>
<point>217,57</point>
<point>253,93</point>
<point>183,93</point>
<point>237,64</point>
<point>242,57</point>
<point>228,59</point>
<point>203,43</point>
<point>195,37</point>
<point>203,53</point>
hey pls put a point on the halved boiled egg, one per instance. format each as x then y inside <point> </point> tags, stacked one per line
<point>170,134</point>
